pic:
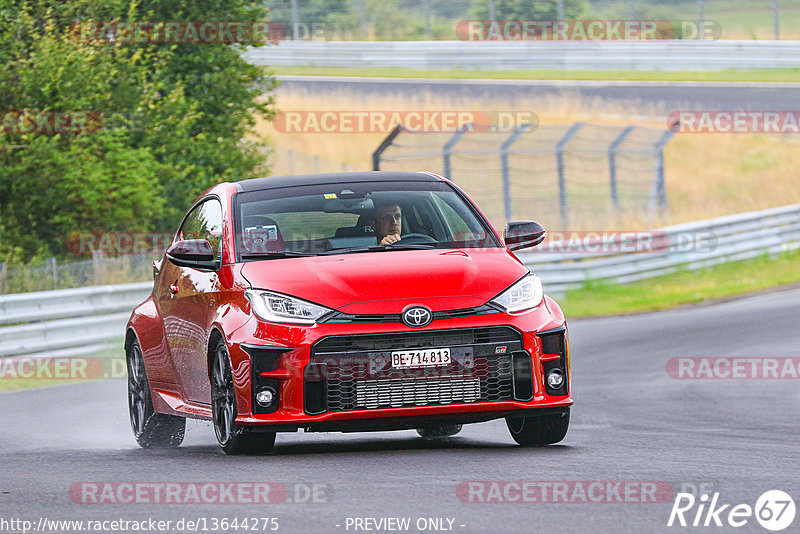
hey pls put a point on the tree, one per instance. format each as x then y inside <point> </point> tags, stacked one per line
<point>165,121</point>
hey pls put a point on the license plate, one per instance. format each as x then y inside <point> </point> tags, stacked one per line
<point>405,359</point>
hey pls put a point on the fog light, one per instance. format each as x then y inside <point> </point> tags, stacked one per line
<point>555,378</point>
<point>265,397</point>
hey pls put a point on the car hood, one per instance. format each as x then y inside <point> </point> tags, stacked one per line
<point>387,282</point>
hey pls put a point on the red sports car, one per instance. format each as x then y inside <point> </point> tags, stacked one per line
<point>345,302</point>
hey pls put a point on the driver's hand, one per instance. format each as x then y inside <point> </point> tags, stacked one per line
<point>389,239</point>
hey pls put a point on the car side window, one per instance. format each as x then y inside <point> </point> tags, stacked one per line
<point>205,222</point>
<point>458,227</point>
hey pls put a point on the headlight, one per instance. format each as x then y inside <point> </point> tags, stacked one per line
<point>278,308</point>
<point>522,295</point>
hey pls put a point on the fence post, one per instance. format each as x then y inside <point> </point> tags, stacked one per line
<point>2,278</point>
<point>562,182</point>
<point>701,19</point>
<point>54,270</point>
<point>776,21</point>
<point>659,196</point>
<point>504,149</point>
<point>376,156</point>
<point>612,164</point>
<point>447,150</point>
<point>98,262</point>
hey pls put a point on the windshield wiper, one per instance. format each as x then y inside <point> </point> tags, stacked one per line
<point>379,248</point>
<point>273,255</point>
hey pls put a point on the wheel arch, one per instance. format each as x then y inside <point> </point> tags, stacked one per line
<point>130,337</point>
<point>215,337</point>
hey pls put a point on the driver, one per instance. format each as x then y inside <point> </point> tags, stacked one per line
<point>388,224</point>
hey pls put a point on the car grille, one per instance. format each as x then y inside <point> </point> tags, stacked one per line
<point>355,372</point>
<point>398,393</point>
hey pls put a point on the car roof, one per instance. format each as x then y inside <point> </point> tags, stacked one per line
<point>276,182</point>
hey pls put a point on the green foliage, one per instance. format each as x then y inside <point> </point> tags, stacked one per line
<point>166,121</point>
<point>95,182</point>
<point>527,10</point>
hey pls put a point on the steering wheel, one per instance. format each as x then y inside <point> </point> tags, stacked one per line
<point>416,239</point>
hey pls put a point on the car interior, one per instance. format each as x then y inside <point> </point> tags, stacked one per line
<point>316,226</point>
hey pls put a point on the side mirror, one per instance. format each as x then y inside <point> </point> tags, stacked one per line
<point>193,253</point>
<point>523,234</point>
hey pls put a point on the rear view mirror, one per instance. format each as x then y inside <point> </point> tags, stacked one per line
<point>193,253</point>
<point>523,234</point>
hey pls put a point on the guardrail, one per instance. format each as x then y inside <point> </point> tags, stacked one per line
<point>67,321</point>
<point>83,321</point>
<point>536,55</point>
<point>723,239</point>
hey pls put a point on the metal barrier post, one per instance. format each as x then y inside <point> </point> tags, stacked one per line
<point>376,156</point>
<point>612,164</point>
<point>505,167</point>
<point>562,182</point>
<point>99,268</point>
<point>54,271</point>
<point>659,197</point>
<point>447,150</point>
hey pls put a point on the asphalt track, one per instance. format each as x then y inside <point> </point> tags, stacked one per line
<point>631,422</point>
<point>674,96</point>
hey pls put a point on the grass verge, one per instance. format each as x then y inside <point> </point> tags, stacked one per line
<point>750,75</point>
<point>684,287</point>
<point>27,373</point>
<point>30,383</point>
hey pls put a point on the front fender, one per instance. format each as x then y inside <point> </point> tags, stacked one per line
<point>149,330</point>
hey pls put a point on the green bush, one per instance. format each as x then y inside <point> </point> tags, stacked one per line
<point>166,121</point>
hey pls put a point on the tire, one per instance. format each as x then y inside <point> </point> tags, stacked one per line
<point>534,431</point>
<point>234,439</point>
<point>438,432</point>
<point>151,429</point>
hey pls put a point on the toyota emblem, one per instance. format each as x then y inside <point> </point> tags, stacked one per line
<point>417,316</point>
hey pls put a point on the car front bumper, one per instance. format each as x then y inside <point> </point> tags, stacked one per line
<point>351,386</point>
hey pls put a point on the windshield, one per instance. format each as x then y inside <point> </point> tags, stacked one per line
<point>352,218</point>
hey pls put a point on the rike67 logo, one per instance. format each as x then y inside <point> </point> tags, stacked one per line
<point>774,510</point>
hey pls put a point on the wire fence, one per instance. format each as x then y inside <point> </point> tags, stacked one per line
<point>574,175</point>
<point>52,274</point>
<point>570,176</point>
<point>436,19</point>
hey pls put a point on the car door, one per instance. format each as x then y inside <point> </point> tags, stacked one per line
<point>186,303</point>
